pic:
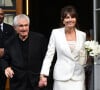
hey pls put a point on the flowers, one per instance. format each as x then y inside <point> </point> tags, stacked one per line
<point>92,47</point>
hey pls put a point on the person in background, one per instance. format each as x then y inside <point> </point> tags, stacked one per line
<point>6,31</point>
<point>23,57</point>
<point>68,42</point>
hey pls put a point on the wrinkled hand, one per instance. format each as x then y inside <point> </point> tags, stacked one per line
<point>9,72</point>
<point>43,81</point>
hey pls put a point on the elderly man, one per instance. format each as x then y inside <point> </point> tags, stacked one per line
<point>23,57</point>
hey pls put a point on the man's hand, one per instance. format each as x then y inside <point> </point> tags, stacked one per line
<point>9,72</point>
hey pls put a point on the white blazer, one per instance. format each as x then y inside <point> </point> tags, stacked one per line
<point>68,66</point>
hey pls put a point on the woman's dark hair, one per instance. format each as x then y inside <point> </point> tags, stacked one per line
<point>68,10</point>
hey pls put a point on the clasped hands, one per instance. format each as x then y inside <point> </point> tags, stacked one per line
<point>42,81</point>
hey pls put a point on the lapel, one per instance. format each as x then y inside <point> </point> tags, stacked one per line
<point>79,39</point>
<point>31,45</point>
<point>65,44</point>
<point>5,28</point>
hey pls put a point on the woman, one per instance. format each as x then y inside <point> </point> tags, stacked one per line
<point>68,42</point>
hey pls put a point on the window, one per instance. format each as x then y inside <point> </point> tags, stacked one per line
<point>11,8</point>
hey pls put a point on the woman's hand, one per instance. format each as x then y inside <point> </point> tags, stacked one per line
<point>42,81</point>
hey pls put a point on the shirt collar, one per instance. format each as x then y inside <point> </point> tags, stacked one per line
<point>1,26</point>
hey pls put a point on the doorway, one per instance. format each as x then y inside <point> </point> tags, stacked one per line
<point>45,14</point>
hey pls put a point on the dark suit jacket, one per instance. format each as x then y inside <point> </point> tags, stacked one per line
<point>8,31</point>
<point>13,57</point>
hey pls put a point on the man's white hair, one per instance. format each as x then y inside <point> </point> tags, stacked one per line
<point>20,16</point>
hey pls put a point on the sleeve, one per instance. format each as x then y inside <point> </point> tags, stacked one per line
<point>83,53</point>
<point>49,56</point>
<point>5,60</point>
